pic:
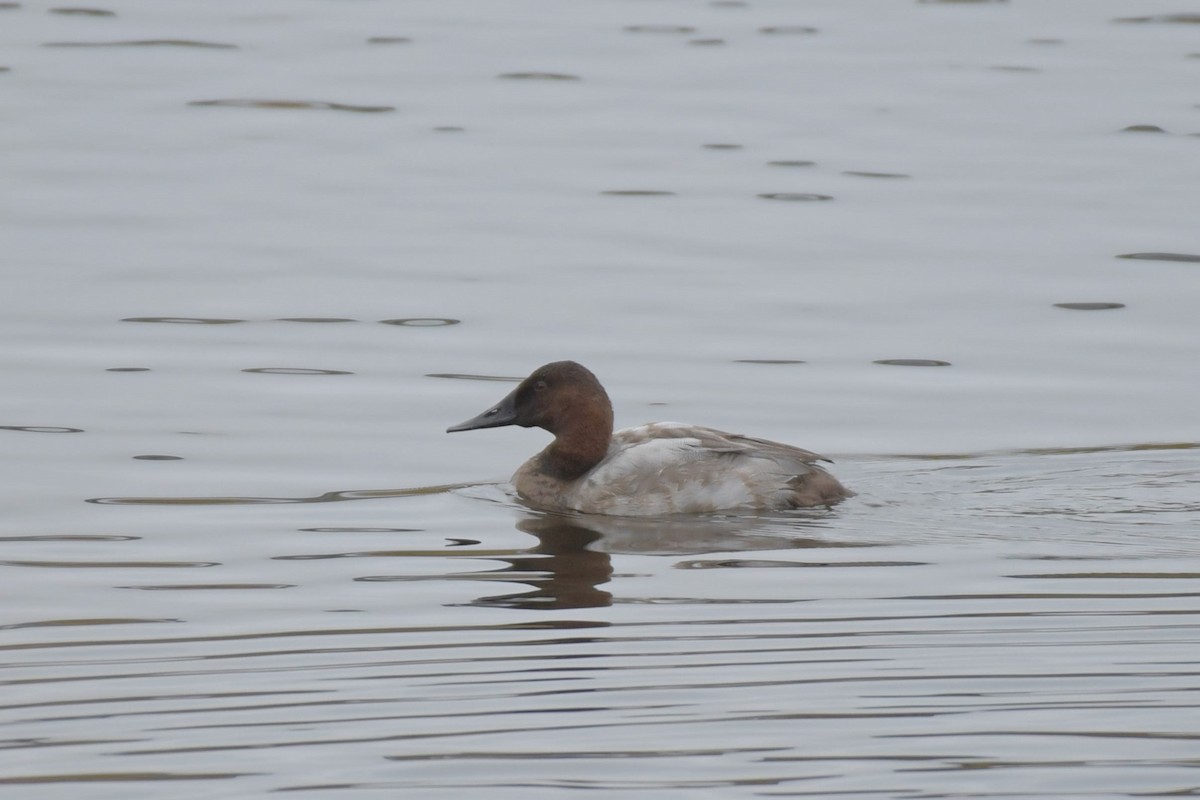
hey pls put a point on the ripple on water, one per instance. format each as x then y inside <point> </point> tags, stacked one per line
<point>1180,19</point>
<point>296,371</point>
<point>184,320</point>
<point>788,30</point>
<point>152,457</point>
<point>291,105</point>
<point>860,174</point>
<point>796,197</point>
<point>70,537</point>
<point>912,362</point>
<point>76,623</point>
<point>73,11</point>
<point>105,778</point>
<point>757,563</point>
<point>770,654</point>
<point>538,76</point>
<point>40,429</point>
<point>113,564</point>
<point>1143,129</point>
<point>361,530</point>
<point>1089,306</point>
<point>389,40</point>
<point>638,193</point>
<point>1188,257</point>
<point>706,42</point>
<point>127,369</point>
<point>415,322</point>
<point>791,163</point>
<point>767,361</point>
<point>193,587</point>
<point>148,43</point>
<point>659,29</point>
<point>463,376</point>
<point>422,322</point>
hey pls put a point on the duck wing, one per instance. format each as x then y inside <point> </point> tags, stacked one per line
<point>716,441</point>
<point>667,467</point>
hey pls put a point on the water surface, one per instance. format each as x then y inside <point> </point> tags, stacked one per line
<point>258,258</point>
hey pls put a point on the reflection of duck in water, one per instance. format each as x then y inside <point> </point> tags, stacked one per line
<point>659,468</point>
<point>572,560</point>
<point>562,570</point>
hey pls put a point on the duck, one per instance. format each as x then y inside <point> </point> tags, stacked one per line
<point>660,468</point>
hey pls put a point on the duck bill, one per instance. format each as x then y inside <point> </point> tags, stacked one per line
<point>499,415</point>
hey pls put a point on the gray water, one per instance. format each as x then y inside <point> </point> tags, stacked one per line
<point>258,257</point>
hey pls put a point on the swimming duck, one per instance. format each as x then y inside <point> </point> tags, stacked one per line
<point>653,469</point>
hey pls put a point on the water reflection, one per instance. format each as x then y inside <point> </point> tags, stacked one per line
<point>561,569</point>
<point>573,554</point>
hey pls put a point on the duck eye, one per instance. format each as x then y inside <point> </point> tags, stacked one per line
<point>540,386</point>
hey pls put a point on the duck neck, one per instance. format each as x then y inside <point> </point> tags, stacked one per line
<point>580,445</point>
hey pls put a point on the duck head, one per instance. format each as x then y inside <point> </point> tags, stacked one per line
<point>556,397</point>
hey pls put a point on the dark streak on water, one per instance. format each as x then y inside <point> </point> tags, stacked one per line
<point>413,322</point>
<point>289,105</point>
<point>39,429</point>
<point>148,43</point>
<point>767,361</point>
<point>539,76</point>
<point>1185,257</point>
<point>466,377</point>
<point>82,12</point>
<point>795,196</point>
<point>912,362</point>
<point>296,371</point>
<point>1090,306</point>
<point>660,29</point>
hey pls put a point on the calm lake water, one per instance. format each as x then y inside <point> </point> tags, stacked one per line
<point>259,255</point>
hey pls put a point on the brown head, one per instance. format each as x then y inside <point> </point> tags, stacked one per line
<point>566,399</point>
<point>557,397</point>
